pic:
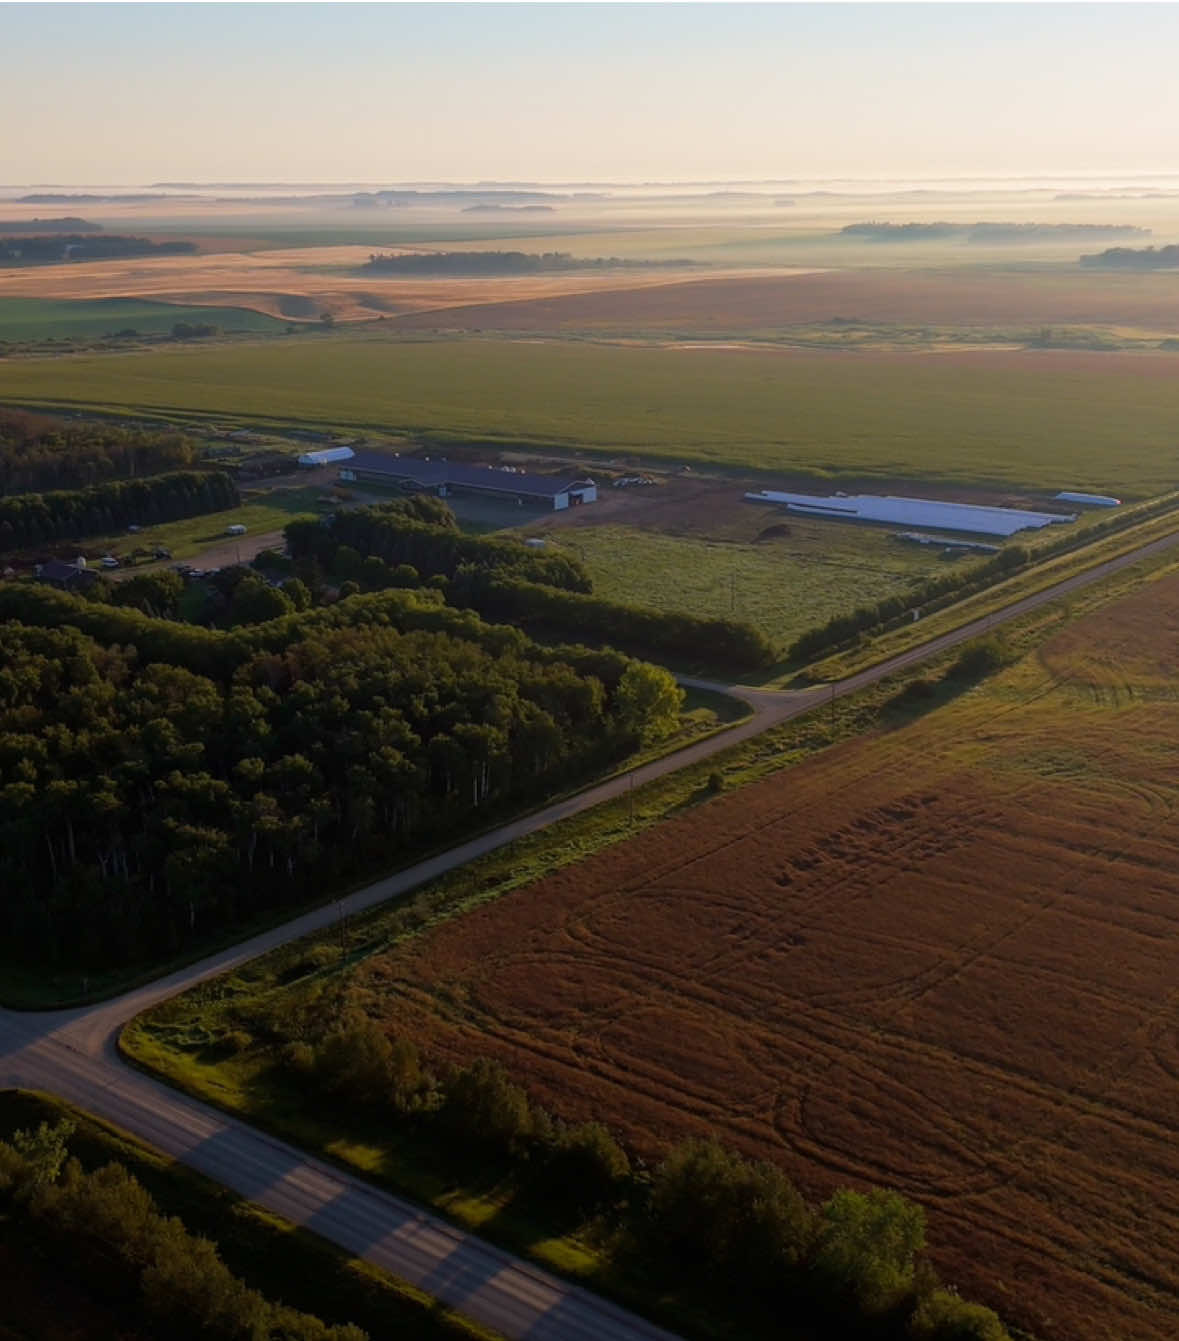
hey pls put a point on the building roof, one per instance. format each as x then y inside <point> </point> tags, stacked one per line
<point>456,473</point>
<point>974,518</point>
<point>55,570</point>
<point>326,456</point>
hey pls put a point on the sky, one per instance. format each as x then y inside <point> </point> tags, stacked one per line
<point>140,93</point>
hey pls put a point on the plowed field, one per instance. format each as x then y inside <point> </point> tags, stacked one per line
<point>770,301</point>
<point>943,958</point>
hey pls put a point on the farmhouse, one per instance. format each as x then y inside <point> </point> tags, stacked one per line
<point>446,477</point>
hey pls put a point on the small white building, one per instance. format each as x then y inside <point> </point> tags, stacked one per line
<point>1088,500</point>
<point>329,456</point>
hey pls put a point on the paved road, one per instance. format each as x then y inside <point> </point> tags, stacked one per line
<point>74,1054</point>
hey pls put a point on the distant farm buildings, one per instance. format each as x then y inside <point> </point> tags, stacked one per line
<point>1088,500</point>
<point>445,477</point>
<point>329,456</point>
<point>915,512</point>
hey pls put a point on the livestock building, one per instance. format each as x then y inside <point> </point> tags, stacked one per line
<point>447,477</point>
<point>327,456</point>
<point>921,512</point>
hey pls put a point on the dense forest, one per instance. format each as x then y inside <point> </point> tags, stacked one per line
<point>1135,258</point>
<point>160,782</point>
<point>39,452</point>
<point>71,514</point>
<point>25,249</point>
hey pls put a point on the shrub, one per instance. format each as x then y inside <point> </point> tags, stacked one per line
<point>980,656</point>
<point>867,1250</point>
<point>943,1316</point>
<point>587,1166</point>
<point>713,1212</point>
<point>483,1104</point>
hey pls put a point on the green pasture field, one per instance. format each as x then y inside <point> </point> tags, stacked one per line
<point>261,511</point>
<point>1041,420</point>
<point>269,1254</point>
<point>52,318</point>
<point>783,586</point>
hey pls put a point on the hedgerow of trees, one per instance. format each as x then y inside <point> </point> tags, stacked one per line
<point>60,247</point>
<point>549,595</point>
<point>935,593</point>
<point>72,514</point>
<point>430,547</point>
<point>38,452</point>
<point>107,1228</point>
<point>731,1234</point>
<point>549,611</point>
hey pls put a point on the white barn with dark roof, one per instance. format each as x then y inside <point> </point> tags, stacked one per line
<point>446,477</point>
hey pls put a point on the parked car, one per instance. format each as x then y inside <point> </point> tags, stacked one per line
<point>236,529</point>
<point>162,553</point>
<point>109,561</point>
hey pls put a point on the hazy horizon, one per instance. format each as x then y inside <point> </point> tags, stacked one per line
<point>632,95</point>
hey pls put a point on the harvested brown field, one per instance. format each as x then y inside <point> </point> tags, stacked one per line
<point>301,283</point>
<point>942,958</point>
<point>771,301</point>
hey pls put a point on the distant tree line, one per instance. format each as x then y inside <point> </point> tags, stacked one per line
<point>724,1234</point>
<point>39,452</point>
<point>37,519</point>
<point>498,263</point>
<point>987,231</point>
<point>160,783</point>
<point>11,227</point>
<point>147,1266</point>
<point>57,248</point>
<point>1135,258</point>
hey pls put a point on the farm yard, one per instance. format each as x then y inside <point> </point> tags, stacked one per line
<point>1043,419</point>
<point>937,958</point>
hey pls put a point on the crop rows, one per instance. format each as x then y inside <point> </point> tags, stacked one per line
<point>939,958</point>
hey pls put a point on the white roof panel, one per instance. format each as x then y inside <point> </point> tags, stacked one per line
<point>918,512</point>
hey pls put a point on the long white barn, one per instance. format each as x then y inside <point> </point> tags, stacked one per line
<point>914,512</point>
